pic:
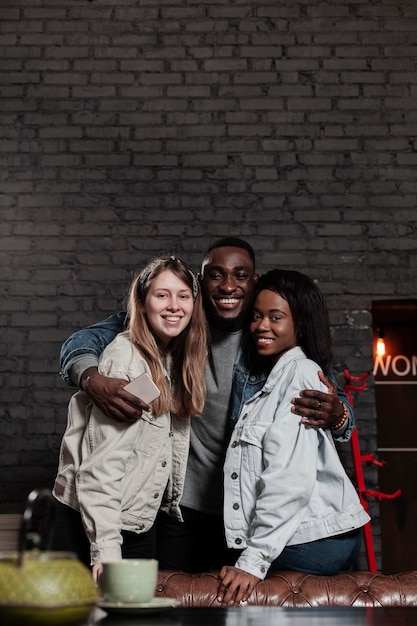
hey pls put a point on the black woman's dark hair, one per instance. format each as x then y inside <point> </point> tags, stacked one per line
<point>308,310</point>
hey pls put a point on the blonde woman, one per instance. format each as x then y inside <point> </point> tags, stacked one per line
<point>115,474</point>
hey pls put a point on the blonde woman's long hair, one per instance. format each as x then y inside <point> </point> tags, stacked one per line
<point>187,394</point>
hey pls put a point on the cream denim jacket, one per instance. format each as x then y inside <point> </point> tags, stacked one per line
<point>117,474</point>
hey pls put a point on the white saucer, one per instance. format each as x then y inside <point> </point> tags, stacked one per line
<point>156,604</point>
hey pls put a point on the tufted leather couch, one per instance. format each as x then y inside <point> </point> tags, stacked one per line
<point>295,589</point>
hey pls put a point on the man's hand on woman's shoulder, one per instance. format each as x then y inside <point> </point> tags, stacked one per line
<point>319,409</point>
<point>109,396</point>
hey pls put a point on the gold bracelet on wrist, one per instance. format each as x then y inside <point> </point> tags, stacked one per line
<point>342,420</point>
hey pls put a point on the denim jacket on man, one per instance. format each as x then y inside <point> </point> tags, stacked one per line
<point>83,348</point>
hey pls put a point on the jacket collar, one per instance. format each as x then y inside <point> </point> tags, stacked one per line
<point>276,372</point>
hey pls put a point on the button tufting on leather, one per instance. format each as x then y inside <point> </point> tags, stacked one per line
<point>280,589</point>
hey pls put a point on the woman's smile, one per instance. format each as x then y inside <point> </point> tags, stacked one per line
<point>272,325</point>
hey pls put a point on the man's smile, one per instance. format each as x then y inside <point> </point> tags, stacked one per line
<point>229,302</point>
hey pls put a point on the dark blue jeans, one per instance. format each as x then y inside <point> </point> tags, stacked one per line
<point>324,557</point>
<point>198,545</point>
<point>195,545</point>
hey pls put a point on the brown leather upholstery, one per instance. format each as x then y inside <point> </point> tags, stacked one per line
<point>298,589</point>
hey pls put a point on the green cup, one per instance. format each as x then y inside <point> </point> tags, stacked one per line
<point>129,581</point>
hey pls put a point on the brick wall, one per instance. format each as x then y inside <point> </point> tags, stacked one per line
<point>151,126</point>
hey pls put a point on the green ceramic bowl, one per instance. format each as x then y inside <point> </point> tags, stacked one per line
<point>48,588</point>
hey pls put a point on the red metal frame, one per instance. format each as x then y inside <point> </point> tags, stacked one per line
<point>358,460</point>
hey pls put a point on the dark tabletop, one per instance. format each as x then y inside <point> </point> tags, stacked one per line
<point>264,616</point>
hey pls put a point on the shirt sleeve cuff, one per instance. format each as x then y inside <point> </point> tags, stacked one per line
<point>253,564</point>
<point>101,553</point>
<point>343,434</point>
<point>80,365</point>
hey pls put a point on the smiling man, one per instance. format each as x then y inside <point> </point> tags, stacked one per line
<point>228,279</point>
<point>233,374</point>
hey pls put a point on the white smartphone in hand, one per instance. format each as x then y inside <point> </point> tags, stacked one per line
<point>143,388</point>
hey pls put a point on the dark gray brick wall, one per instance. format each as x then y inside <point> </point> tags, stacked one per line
<point>152,126</point>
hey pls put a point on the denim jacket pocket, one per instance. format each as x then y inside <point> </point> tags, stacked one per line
<point>151,433</point>
<point>254,433</point>
<point>251,439</point>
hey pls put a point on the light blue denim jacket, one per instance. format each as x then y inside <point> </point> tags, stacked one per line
<point>249,376</point>
<point>284,483</point>
<point>83,348</point>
